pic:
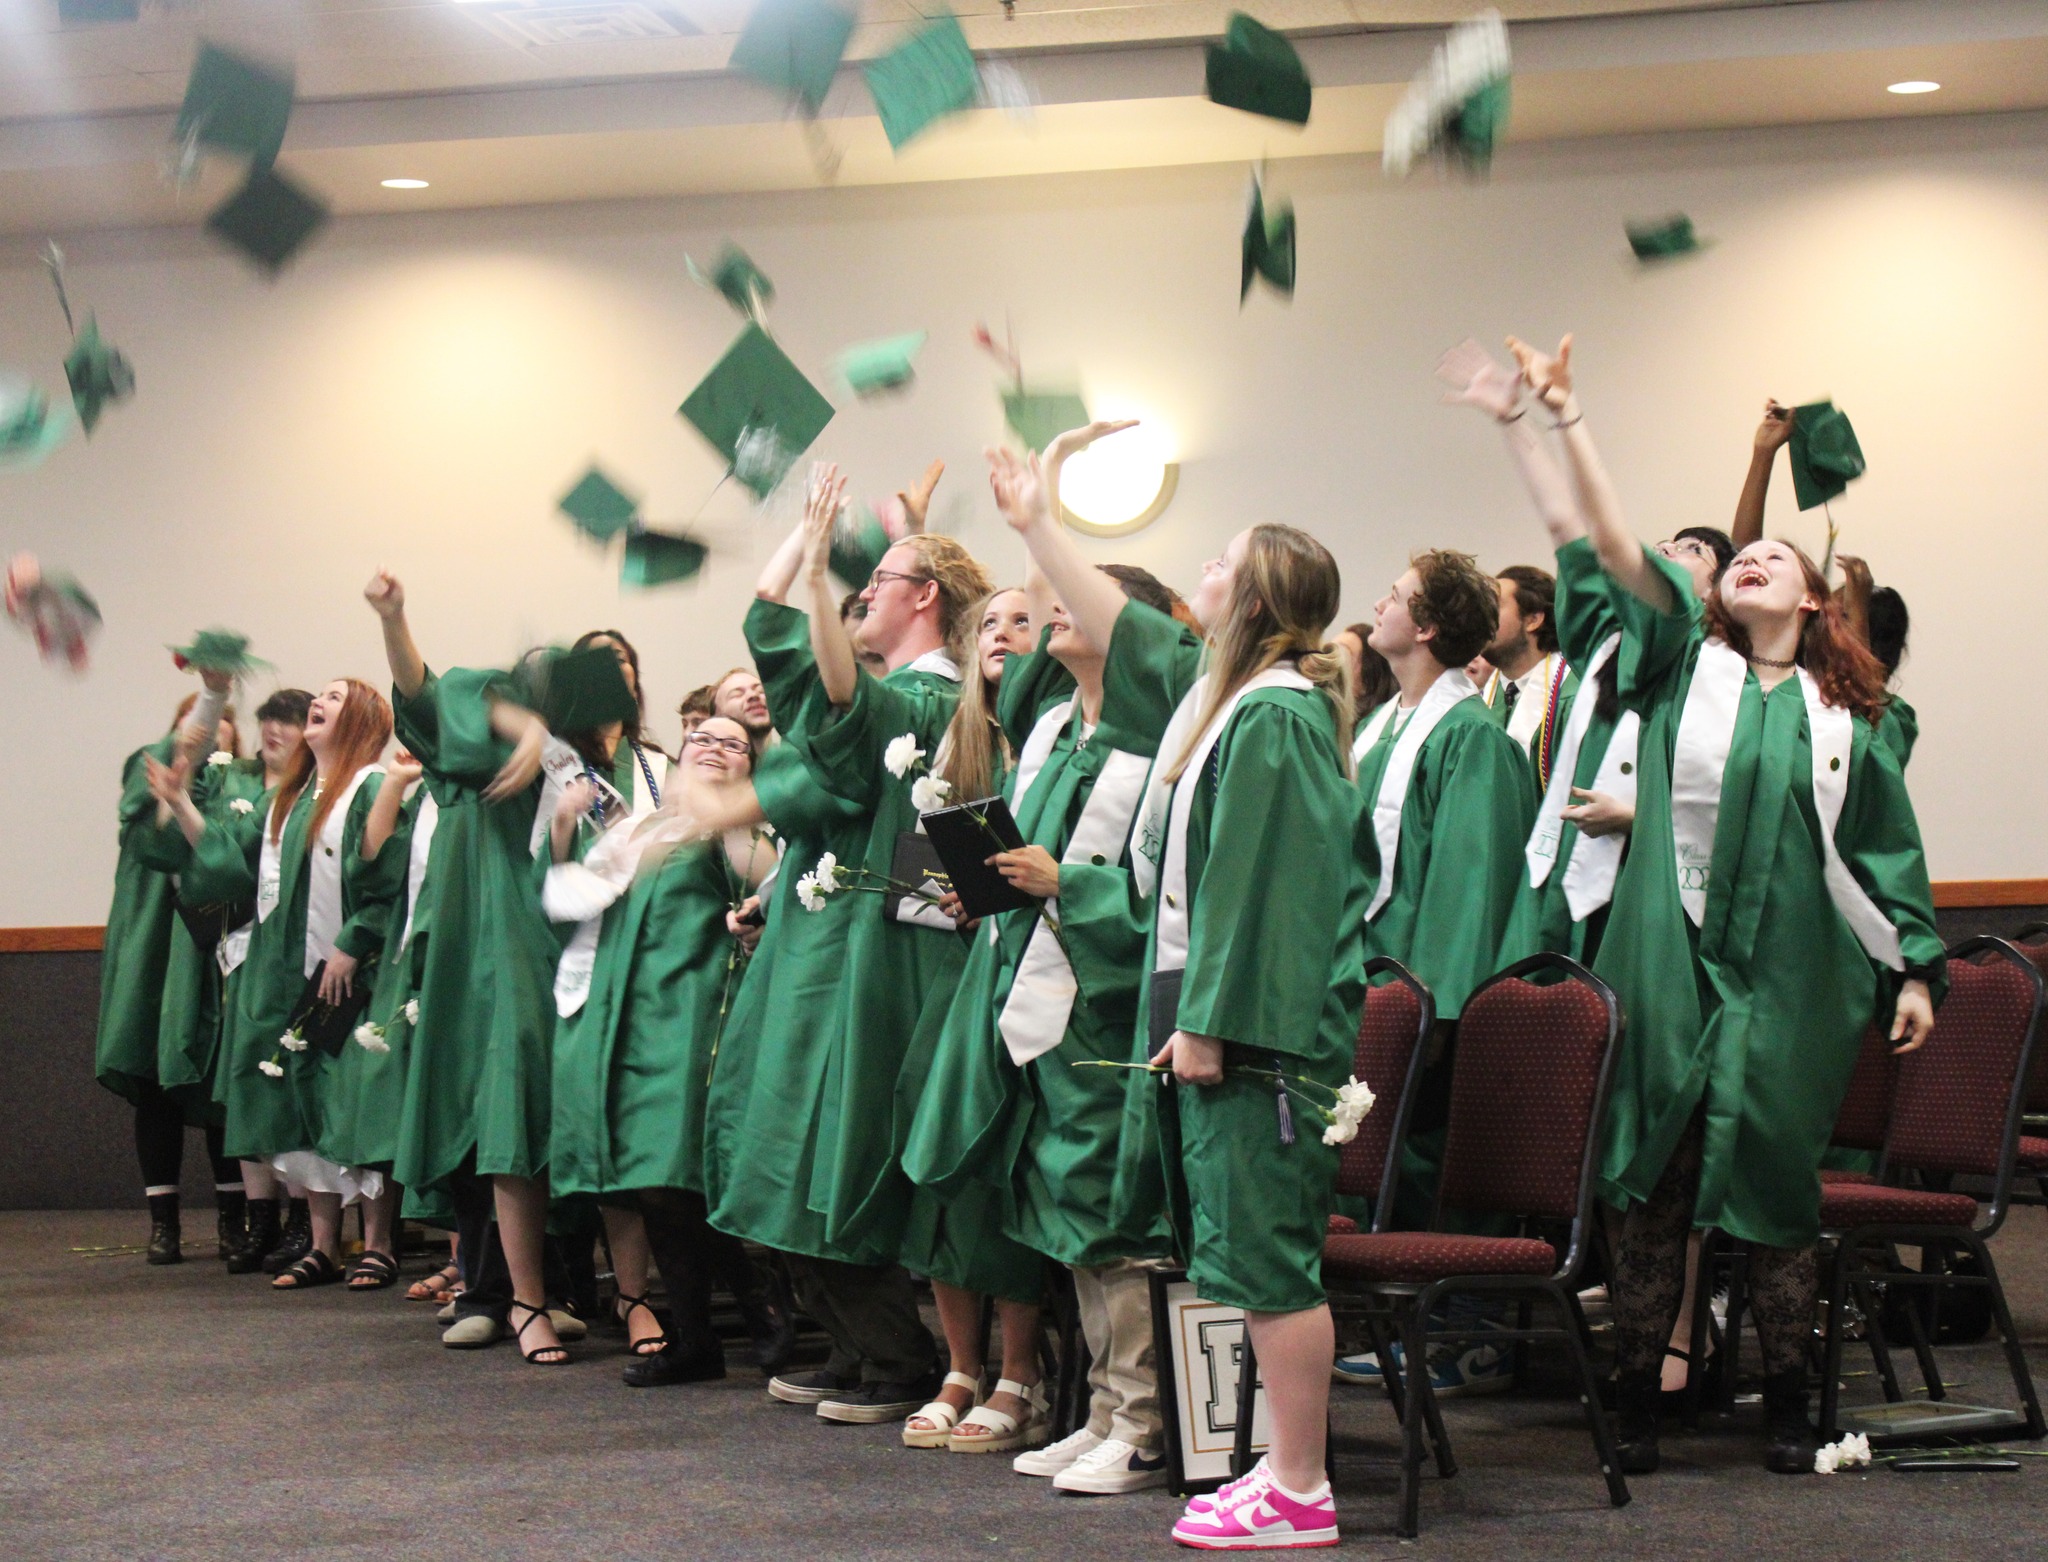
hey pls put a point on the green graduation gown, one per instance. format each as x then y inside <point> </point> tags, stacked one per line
<point>1757,1013</point>
<point>1900,729</point>
<point>137,953</point>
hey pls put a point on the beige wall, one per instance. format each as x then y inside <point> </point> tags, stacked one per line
<point>417,391</point>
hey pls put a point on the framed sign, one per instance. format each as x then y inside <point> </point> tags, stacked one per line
<point>1200,1350</point>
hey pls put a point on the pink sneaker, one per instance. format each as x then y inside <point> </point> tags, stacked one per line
<point>1254,1514</point>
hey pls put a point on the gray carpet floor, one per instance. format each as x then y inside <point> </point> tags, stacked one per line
<point>184,1413</point>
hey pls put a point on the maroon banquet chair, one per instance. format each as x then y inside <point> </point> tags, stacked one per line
<point>1393,1046</point>
<point>1956,1113</point>
<point>1528,1090</point>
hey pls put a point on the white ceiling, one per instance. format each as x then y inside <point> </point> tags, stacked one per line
<point>445,90</point>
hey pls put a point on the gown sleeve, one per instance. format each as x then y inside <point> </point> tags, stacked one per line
<point>226,857</point>
<point>779,638</point>
<point>1878,837</point>
<point>1584,609</point>
<point>1259,962</point>
<point>1102,928</point>
<point>1153,662</point>
<point>370,886</point>
<point>846,747</point>
<point>792,798</point>
<point>1655,645</point>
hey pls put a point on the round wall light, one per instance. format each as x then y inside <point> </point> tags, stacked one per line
<point>1121,484</point>
<point>1908,89</point>
<point>404,184</point>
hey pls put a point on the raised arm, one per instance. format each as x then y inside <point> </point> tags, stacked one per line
<point>1776,428</point>
<point>1619,549</point>
<point>400,772</point>
<point>1027,492</point>
<point>780,572</point>
<point>838,671</point>
<point>386,596</point>
<point>1477,379</point>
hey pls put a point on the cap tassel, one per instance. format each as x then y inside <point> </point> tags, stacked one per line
<point>1285,1111</point>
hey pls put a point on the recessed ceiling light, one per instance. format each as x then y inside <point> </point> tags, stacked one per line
<point>1907,89</point>
<point>405,184</point>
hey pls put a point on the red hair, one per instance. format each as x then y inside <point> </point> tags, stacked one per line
<point>1850,678</point>
<point>360,733</point>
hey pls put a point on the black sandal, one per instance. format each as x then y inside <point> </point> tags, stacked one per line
<point>316,1268</point>
<point>540,1355</point>
<point>372,1271</point>
<point>654,1344</point>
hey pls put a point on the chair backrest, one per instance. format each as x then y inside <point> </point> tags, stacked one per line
<point>1527,1093</point>
<point>1393,1041</point>
<point>1960,1097</point>
<point>1866,1113</point>
<point>2032,941</point>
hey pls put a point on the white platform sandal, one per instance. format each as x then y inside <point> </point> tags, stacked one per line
<point>939,1417</point>
<point>986,1431</point>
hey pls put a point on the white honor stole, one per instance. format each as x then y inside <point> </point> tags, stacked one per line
<point>579,958</point>
<point>1163,816</point>
<point>323,873</point>
<point>1042,993</point>
<point>424,822</point>
<point>234,949</point>
<point>1706,729</point>
<point>1451,686</point>
<point>1595,860</point>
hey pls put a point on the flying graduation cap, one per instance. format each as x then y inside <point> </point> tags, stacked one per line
<point>1257,70</point>
<point>757,410</point>
<point>98,373</point>
<point>656,558</point>
<point>54,609</point>
<point>870,368</point>
<point>738,281</point>
<point>794,46</point>
<point>602,510</point>
<point>30,428</point>
<point>923,79</point>
<point>1824,454</point>
<point>1036,415</point>
<point>1665,238</point>
<point>598,506</point>
<point>1457,105</point>
<point>1268,244</point>
<point>240,107</point>
<point>217,651</point>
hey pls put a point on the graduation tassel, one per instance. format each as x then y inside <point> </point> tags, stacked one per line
<point>1281,1106</point>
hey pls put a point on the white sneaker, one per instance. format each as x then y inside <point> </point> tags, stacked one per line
<point>1055,1457</point>
<point>1111,1469</point>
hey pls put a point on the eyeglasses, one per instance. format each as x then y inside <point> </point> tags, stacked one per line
<point>875,580</point>
<point>735,746</point>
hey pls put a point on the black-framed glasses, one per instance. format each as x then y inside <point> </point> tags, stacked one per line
<point>735,746</point>
<point>875,580</point>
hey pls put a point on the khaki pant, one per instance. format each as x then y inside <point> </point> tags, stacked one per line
<point>1123,1373</point>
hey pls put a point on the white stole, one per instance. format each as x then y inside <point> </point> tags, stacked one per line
<point>1589,875</point>
<point>1042,993</point>
<point>579,958</point>
<point>1706,730</point>
<point>424,822</point>
<point>1451,686</point>
<point>1163,815</point>
<point>324,872</point>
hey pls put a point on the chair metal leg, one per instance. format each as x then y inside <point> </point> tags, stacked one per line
<point>1589,1394</point>
<point>1916,1329</point>
<point>1873,1336</point>
<point>1247,1404</point>
<point>1702,1331</point>
<point>1520,1360</point>
<point>1831,1345</point>
<point>1415,1365</point>
<point>2015,1357</point>
<point>1731,1330</point>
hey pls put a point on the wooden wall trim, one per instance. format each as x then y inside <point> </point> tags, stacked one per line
<point>51,940</point>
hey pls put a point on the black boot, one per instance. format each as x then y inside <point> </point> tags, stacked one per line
<point>770,1318</point>
<point>259,1236</point>
<point>163,1229</point>
<point>695,1360</point>
<point>1790,1436</point>
<point>297,1241</point>
<point>231,1220</point>
<point>1638,1396</point>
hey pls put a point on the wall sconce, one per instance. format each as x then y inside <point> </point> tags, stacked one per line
<point>1121,484</point>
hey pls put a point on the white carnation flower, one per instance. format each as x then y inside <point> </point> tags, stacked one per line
<point>275,1071</point>
<point>826,874</point>
<point>902,755</point>
<point>807,893</point>
<point>929,792</point>
<point>1826,1459</point>
<point>412,1011</point>
<point>220,756</point>
<point>1340,1132</point>
<point>292,1041</point>
<point>241,805</point>
<point>371,1038</point>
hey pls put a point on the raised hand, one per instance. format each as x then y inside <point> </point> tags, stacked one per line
<point>1076,440</point>
<point>1549,375</point>
<point>1478,379</point>
<point>575,801</point>
<point>166,782</point>
<point>917,500</point>
<point>385,594</point>
<point>1775,429</point>
<point>402,769</point>
<point>824,498</point>
<point>1018,483</point>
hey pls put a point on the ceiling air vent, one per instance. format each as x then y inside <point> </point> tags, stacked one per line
<point>539,23</point>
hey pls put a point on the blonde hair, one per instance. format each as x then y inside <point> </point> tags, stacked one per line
<point>963,586</point>
<point>1283,599</point>
<point>974,749</point>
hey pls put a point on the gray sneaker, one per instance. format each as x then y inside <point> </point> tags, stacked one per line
<point>873,1403</point>
<point>807,1388</point>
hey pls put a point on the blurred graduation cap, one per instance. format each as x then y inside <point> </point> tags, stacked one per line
<point>98,374</point>
<point>737,280</point>
<point>1824,453</point>
<point>598,506</point>
<point>54,608</point>
<point>656,558</point>
<point>1665,238</point>
<point>30,428</point>
<point>1039,417</point>
<point>268,219</point>
<point>217,651</point>
<point>1268,244</point>
<point>924,78</point>
<point>858,543</point>
<point>794,46</point>
<point>79,13</point>
<point>1457,105</point>
<point>574,691</point>
<point>1258,70</point>
<point>236,104</point>
<point>757,410</point>
<point>883,365</point>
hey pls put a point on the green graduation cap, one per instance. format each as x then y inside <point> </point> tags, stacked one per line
<point>1457,105</point>
<point>1268,245</point>
<point>758,410</point>
<point>1663,239</point>
<point>737,280</point>
<point>236,104</point>
<point>1257,70</point>
<point>100,375</point>
<point>217,651</point>
<point>1040,417</point>
<point>655,559</point>
<point>56,610</point>
<point>858,543</point>
<point>576,691</point>
<point>1825,455</point>
<point>598,506</point>
<point>75,13</point>
<point>268,218</point>
<point>926,77</point>
<point>881,365</point>
<point>794,46</point>
<point>30,428</point>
